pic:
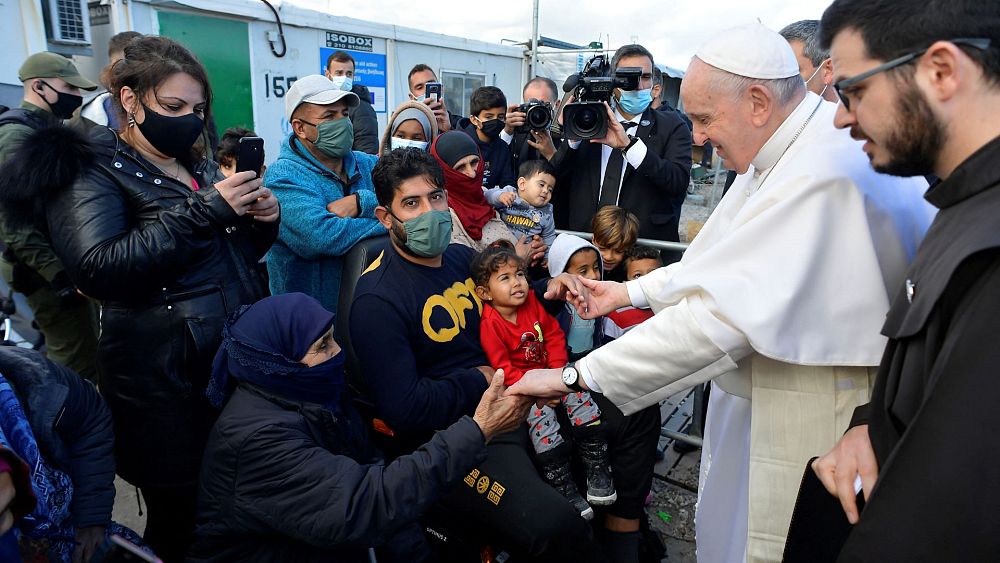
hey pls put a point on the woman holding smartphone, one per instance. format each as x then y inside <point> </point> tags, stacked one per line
<point>169,247</point>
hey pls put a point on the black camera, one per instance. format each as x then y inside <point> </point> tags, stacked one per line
<point>586,118</point>
<point>537,117</point>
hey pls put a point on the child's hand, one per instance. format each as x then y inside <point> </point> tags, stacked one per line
<point>507,198</point>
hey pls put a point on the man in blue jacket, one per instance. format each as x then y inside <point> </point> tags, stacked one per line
<point>325,191</point>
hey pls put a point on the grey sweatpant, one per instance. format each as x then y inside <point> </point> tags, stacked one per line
<point>580,408</point>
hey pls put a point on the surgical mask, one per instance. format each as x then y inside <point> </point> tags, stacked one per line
<point>65,104</point>
<point>398,143</point>
<point>634,102</point>
<point>334,138</point>
<point>491,128</point>
<point>172,136</point>
<point>344,83</point>
<point>815,72</point>
<point>420,98</point>
<point>429,234</point>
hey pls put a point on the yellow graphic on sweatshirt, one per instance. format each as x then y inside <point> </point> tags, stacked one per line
<point>456,301</point>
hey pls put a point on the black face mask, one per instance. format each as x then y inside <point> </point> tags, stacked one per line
<point>173,136</point>
<point>491,128</point>
<point>65,104</point>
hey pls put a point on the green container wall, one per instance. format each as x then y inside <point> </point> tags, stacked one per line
<point>223,47</point>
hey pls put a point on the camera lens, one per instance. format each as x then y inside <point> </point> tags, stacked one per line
<point>539,117</point>
<point>586,120</point>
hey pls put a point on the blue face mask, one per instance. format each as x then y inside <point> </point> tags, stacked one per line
<point>344,83</point>
<point>634,102</point>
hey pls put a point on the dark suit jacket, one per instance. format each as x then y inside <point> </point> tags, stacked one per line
<point>654,191</point>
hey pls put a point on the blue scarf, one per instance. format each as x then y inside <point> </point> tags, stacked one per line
<point>263,343</point>
<point>48,531</point>
<point>50,522</point>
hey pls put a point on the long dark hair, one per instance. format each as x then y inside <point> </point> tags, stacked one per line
<point>149,60</point>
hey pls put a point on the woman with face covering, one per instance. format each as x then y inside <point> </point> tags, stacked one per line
<point>169,247</point>
<point>411,125</point>
<point>475,223</point>
<point>289,474</point>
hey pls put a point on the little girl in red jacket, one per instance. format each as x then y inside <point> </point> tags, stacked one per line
<point>518,335</point>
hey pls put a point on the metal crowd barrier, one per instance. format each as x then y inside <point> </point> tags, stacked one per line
<point>697,427</point>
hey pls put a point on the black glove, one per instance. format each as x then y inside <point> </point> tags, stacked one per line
<point>65,291</point>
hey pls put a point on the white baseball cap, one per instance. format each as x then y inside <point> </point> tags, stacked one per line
<point>316,89</point>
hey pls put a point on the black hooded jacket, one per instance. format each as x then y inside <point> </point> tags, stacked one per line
<point>285,481</point>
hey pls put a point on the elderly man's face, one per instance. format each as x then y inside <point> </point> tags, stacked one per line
<point>902,134</point>
<point>719,117</point>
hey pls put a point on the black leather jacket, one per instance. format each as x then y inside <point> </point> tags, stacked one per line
<point>168,264</point>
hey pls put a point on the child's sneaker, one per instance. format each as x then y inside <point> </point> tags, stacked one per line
<point>594,452</point>
<point>555,470</point>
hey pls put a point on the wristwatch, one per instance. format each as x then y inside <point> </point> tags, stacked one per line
<point>632,140</point>
<point>571,378</point>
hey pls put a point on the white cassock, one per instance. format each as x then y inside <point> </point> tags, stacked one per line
<point>780,300</point>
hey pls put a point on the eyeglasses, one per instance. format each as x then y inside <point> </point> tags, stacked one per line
<point>847,83</point>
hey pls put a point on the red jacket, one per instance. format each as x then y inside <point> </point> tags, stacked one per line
<point>534,342</point>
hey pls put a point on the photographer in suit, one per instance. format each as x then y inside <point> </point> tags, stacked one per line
<point>539,144</point>
<point>643,163</point>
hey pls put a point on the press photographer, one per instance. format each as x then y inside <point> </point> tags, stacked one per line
<point>623,152</point>
<point>529,128</point>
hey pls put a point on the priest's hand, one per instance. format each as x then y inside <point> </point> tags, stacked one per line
<point>850,457</point>
<point>499,412</point>
<point>616,137</point>
<point>603,297</point>
<point>568,288</point>
<point>541,384</point>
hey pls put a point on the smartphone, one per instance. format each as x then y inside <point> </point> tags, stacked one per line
<point>120,550</point>
<point>250,155</point>
<point>433,90</point>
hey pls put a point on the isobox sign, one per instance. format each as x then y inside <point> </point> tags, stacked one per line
<point>338,40</point>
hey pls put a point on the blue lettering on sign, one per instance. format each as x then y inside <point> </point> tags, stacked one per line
<point>369,70</point>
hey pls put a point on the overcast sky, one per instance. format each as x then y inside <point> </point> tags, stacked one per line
<point>671,30</point>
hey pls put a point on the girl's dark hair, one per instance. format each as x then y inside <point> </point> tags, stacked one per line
<point>488,261</point>
<point>150,60</point>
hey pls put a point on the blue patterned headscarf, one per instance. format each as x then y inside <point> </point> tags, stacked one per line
<point>50,521</point>
<point>263,344</point>
<point>48,531</point>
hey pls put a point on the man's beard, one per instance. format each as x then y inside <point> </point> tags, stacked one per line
<point>398,235</point>
<point>914,146</point>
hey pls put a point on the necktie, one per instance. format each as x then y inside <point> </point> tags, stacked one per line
<point>613,174</point>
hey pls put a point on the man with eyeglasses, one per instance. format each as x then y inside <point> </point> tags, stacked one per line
<point>919,82</point>
<point>777,302</point>
<point>814,63</point>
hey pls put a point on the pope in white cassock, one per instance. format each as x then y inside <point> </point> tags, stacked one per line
<point>779,301</point>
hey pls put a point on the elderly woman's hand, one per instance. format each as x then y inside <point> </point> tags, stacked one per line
<point>497,414</point>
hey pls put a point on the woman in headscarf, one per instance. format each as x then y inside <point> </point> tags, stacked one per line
<point>475,223</point>
<point>288,474</point>
<point>411,125</point>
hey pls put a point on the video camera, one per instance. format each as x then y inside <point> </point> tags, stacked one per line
<point>538,116</point>
<point>586,118</point>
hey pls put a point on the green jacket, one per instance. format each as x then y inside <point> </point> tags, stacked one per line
<point>30,246</point>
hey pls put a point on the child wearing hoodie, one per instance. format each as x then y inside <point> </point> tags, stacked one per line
<point>518,335</point>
